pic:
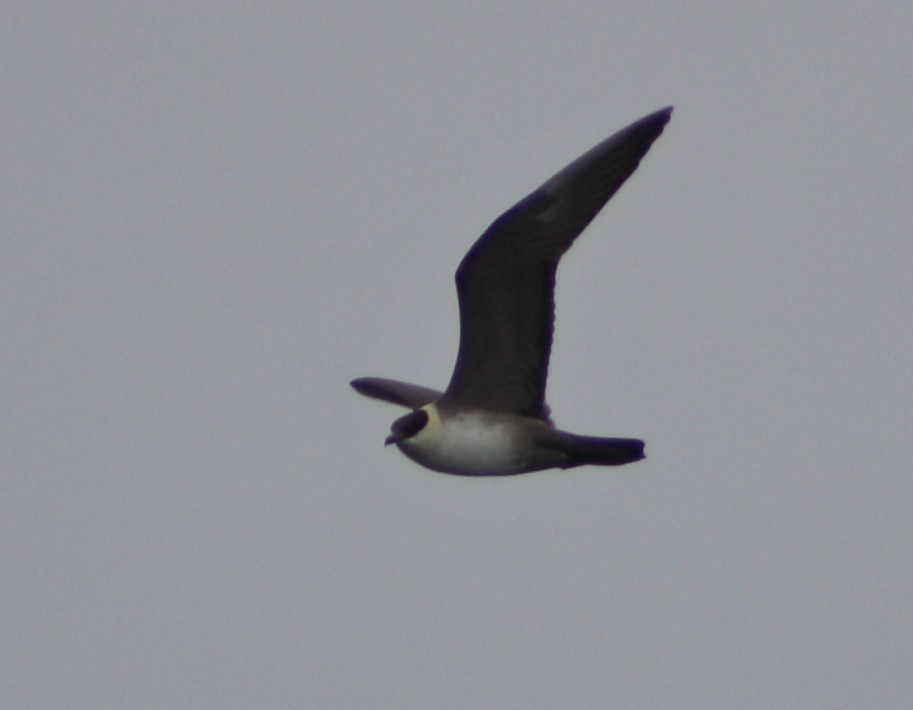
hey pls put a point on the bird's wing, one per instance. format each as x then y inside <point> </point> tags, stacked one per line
<point>506,281</point>
<point>395,392</point>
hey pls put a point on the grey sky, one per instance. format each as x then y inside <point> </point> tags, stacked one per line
<point>217,214</point>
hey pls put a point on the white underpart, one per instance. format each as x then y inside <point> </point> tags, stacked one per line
<point>468,443</point>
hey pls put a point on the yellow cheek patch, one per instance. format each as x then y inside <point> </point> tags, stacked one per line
<point>432,429</point>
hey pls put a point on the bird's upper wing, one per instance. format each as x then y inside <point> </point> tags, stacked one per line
<point>506,281</point>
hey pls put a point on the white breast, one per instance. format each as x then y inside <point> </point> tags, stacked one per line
<point>471,443</point>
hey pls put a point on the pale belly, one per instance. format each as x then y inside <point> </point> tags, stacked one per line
<point>477,445</point>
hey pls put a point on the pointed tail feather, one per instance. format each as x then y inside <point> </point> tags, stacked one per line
<point>598,451</point>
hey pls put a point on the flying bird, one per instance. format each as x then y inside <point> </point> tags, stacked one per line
<point>492,420</point>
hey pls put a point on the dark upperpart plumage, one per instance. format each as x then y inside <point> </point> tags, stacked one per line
<point>506,281</point>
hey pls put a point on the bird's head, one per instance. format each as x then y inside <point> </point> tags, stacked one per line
<point>407,426</point>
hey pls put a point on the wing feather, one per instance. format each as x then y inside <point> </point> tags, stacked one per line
<point>506,282</point>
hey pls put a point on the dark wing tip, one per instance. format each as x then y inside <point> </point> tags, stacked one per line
<point>661,116</point>
<point>360,384</point>
<point>371,387</point>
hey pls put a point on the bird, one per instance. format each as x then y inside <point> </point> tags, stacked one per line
<point>493,420</point>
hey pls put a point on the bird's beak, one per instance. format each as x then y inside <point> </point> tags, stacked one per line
<point>392,439</point>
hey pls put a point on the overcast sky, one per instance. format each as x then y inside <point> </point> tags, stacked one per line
<point>215,214</point>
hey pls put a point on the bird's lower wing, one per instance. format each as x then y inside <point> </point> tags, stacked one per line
<point>395,392</point>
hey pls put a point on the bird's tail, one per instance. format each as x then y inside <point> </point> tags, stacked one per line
<point>598,451</point>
